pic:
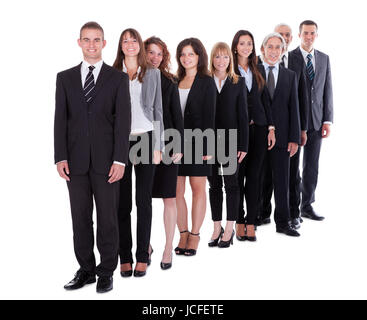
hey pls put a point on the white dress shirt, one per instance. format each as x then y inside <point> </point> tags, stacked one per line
<point>275,72</point>
<point>247,75</point>
<point>217,83</point>
<point>184,94</point>
<point>139,122</point>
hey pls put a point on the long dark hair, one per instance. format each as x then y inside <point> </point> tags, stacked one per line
<point>142,60</point>
<point>252,59</point>
<point>164,67</point>
<point>199,49</point>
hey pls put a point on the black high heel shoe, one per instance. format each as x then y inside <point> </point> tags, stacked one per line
<point>126,274</point>
<point>181,248</point>
<point>214,243</point>
<point>251,239</point>
<point>226,244</point>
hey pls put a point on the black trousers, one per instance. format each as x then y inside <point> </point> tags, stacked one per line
<point>82,189</point>
<point>216,194</point>
<point>144,175</point>
<point>311,155</point>
<point>251,169</point>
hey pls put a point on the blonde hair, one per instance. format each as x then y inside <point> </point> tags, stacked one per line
<point>223,47</point>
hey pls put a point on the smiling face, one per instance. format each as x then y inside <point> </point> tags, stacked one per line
<point>272,50</point>
<point>129,45</point>
<point>188,58</point>
<point>91,41</point>
<point>221,61</point>
<point>286,33</point>
<point>308,36</point>
<point>155,55</point>
<point>245,46</point>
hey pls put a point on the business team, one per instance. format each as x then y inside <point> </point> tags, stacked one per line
<point>109,120</point>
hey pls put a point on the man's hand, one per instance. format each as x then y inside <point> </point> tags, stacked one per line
<point>63,170</point>
<point>241,155</point>
<point>325,132</point>
<point>176,157</point>
<point>116,173</point>
<point>271,139</point>
<point>157,156</point>
<point>292,148</point>
<point>303,138</point>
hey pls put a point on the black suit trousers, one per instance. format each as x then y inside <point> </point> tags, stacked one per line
<point>216,194</point>
<point>251,169</point>
<point>144,176</point>
<point>82,189</point>
<point>311,155</point>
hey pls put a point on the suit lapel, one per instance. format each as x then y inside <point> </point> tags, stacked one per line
<point>280,78</point>
<point>77,83</point>
<point>103,76</point>
<point>195,86</point>
<point>317,66</point>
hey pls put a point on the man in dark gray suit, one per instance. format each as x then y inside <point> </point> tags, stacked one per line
<point>319,99</point>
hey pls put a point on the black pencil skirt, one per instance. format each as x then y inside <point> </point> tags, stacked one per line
<point>165,181</point>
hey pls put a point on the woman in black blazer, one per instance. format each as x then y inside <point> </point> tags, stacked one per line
<point>146,108</point>
<point>165,178</point>
<point>261,132</point>
<point>231,113</point>
<point>197,98</point>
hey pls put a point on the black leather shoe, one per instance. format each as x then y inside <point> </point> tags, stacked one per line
<point>288,230</point>
<point>165,266</point>
<point>311,214</point>
<point>104,284</point>
<point>262,221</point>
<point>214,243</point>
<point>296,223</point>
<point>81,278</point>
<point>139,274</point>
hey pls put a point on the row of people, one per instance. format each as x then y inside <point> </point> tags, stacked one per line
<point>99,123</point>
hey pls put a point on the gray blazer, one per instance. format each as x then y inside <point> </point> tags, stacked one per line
<point>152,104</point>
<point>320,97</point>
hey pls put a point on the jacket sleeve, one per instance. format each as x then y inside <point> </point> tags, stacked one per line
<point>60,124</point>
<point>328,96</point>
<point>122,125</point>
<point>158,111</point>
<point>208,110</point>
<point>242,116</point>
<point>294,134</point>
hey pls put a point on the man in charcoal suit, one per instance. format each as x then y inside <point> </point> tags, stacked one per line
<point>92,126</point>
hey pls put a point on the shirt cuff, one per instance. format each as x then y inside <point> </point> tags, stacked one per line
<point>120,163</point>
<point>62,161</point>
<point>327,122</point>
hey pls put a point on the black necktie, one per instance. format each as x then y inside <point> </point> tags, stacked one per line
<point>271,82</point>
<point>89,84</point>
<point>282,63</point>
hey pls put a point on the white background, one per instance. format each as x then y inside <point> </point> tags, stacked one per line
<point>39,38</point>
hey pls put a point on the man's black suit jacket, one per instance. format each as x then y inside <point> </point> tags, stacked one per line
<point>284,107</point>
<point>92,134</point>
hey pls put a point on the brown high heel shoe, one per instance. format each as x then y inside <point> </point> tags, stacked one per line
<point>192,244</point>
<point>181,248</point>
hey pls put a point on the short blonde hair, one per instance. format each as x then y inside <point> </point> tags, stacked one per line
<point>223,47</point>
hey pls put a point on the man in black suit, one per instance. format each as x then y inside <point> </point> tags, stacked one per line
<point>282,87</point>
<point>294,63</point>
<point>319,100</point>
<point>92,126</point>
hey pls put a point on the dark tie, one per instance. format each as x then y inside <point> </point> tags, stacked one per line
<point>282,62</point>
<point>309,67</point>
<point>89,84</point>
<point>271,82</point>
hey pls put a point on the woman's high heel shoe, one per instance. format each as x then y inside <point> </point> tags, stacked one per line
<point>226,244</point>
<point>181,248</point>
<point>128,273</point>
<point>240,228</point>
<point>192,244</point>
<point>214,243</point>
<point>251,239</point>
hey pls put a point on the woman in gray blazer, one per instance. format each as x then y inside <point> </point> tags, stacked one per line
<point>145,135</point>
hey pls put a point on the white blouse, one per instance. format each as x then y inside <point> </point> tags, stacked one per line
<point>184,93</point>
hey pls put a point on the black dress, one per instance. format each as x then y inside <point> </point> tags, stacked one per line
<point>199,114</point>
<point>165,178</point>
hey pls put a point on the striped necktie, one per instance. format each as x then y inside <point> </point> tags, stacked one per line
<point>89,84</point>
<point>309,67</point>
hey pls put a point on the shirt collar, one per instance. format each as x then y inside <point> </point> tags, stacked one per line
<point>266,66</point>
<point>305,53</point>
<point>86,65</point>
<point>243,71</point>
<point>124,69</point>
